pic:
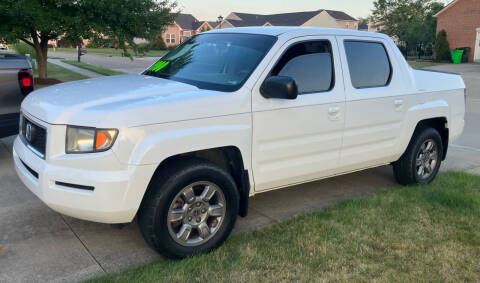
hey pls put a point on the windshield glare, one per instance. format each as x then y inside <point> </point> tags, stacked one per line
<point>217,61</point>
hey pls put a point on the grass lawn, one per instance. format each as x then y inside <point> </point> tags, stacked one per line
<point>421,233</point>
<point>100,70</point>
<point>423,64</point>
<point>59,73</point>
<point>107,51</point>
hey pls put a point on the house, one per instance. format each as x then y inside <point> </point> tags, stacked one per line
<point>363,27</point>
<point>185,26</point>
<point>318,18</point>
<point>461,20</point>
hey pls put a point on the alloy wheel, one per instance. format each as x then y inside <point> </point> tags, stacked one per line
<point>427,158</point>
<point>196,213</point>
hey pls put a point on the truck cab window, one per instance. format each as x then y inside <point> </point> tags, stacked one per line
<point>368,63</point>
<point>310,64</point>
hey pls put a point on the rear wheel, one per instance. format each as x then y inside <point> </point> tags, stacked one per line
<point>191,208</point>
<point>422,159</point>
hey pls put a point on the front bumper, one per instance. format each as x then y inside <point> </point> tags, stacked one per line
<point>117,189</point>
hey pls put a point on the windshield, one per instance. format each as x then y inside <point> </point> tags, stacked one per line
<point>216,61</point>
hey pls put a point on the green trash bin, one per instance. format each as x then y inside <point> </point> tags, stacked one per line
<point>456,56</point>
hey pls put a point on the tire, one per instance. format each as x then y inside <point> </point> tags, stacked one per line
<point>201,229</point>
<point>407,169</point>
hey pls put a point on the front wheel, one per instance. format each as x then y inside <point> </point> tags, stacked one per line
<point>421,161</point>
<point>191,208</point>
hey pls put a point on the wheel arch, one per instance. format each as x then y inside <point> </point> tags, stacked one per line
<point>433,114</point>
<point>439,123</point>
<point>229,158</point>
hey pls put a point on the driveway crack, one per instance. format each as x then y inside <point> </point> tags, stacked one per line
<point>83,244</point>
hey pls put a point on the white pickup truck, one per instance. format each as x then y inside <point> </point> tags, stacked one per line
<point>229,114</point>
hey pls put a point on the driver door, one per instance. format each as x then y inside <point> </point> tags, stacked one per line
<point>300,140</point>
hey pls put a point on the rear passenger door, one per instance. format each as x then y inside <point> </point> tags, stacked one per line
<point>375,102</point>
<point>299,140</point>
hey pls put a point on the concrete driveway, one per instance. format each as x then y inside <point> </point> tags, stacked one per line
<point>37,244</point>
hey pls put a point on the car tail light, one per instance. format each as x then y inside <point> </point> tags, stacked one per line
<point>25,80</point>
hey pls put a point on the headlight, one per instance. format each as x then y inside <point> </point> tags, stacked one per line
<point>87,140</point>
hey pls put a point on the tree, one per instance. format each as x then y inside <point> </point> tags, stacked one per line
<point>363,21</point>
<point>35,22</point>
<point>442,48</point>
<point>411,21</point>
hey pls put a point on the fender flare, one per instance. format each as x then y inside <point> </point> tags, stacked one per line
<point>418,113</point>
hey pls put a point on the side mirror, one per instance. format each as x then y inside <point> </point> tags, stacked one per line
<point>279,87</point>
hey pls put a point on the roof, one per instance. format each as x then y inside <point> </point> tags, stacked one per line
<point>339,15</point>
<point>284,19</point>
<point>302,31</point>
<point>197,25</point>
<point>451,4</point>
<point>213,24</point>
<point>187,21</point>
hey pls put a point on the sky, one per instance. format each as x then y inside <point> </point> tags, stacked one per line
<point>210,9</point>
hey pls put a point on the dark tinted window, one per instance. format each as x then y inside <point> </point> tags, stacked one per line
<point>368,63</point>
<point>310,64</point>
<point>218,61</point>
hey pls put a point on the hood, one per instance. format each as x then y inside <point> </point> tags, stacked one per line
<point>118,101</point>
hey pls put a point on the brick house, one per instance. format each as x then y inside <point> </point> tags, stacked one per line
<point>185,26</point>
<point>318,18</point>
<point>461,20</point>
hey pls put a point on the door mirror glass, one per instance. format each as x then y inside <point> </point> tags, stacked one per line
<point>279,87</point>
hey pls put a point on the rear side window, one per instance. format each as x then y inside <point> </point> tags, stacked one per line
<point>368,63</point>
<point>310,64</point>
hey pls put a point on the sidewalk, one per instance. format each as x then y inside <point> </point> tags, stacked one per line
<point>75,69</point>
<point>117,63</point>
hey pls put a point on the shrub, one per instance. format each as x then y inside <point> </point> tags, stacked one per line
<point>69,42</point>
<point>23,48</point>
<point>158,44</point>
<point>98,42</point>
<point>442,47</point>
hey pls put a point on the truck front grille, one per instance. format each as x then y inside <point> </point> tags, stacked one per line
<point>34,136</point>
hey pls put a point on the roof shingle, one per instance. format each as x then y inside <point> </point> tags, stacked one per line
<point>284,19</point>
<point>187,21</point>
<point>339,15</point>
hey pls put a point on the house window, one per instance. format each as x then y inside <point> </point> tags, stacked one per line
<point>170,38</point>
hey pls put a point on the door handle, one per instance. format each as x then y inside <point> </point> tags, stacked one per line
<point>398,102</point>
<point>334,113</point>
<point>333,110</point>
